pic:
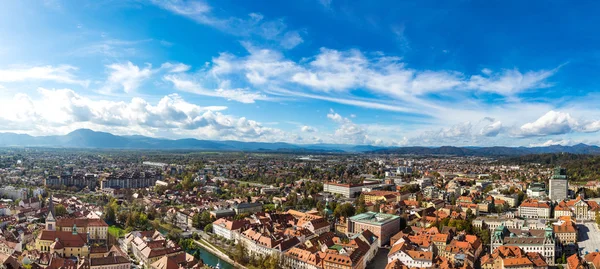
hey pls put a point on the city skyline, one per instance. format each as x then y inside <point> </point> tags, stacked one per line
<point>410,73</point>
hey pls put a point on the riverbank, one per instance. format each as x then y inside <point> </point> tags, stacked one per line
<point>213,250</point>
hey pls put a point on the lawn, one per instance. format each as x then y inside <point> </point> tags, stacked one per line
<point>116,231</point>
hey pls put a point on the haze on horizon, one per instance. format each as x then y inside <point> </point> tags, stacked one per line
<point>399,73</point>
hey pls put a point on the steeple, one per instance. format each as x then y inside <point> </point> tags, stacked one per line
<point>74,229</point>
<point>50,218</point>
<point>51,207</point>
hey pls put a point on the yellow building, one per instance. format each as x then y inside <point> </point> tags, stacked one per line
<point>385,196</point>
<point>65,244</point>
<point>97,228</point>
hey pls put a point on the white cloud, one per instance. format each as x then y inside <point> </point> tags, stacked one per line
<point>562,142</point>
<point>338,73</point>
<point>455,135</point>
<point>126,76</point>
<point>175,67</point>
<point>291,40</point>
<point>555,123</point>
<point>335,116</point>
<point>510,82</point>
<point>492,129</point>
<point>254,25</point>
<point>308,129</point>
<point>61,74</point>
<point>61,111</point>
<point>238,94</point>
<point>347,131</point>
<point>113,48</point>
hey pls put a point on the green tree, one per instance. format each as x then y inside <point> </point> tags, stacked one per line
<point>361,205</point>
<point>208,228</point>
<point>344,210</point>
<point>239,253</point>
<point>60,210</point>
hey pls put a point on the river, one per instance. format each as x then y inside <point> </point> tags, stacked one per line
<point>212,260</point>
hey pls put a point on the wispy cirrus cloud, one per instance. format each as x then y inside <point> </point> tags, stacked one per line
<point>61,74</point>
<point>112,48</point>
<point>237,94</point>
<point>253,25</point>
<point>335,76</point>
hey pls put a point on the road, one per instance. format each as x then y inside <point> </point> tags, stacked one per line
<point>589,237</point>
<point>380,259</point>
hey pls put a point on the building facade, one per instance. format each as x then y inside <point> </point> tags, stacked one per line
<point>384,226</point>
<point>539,241</point>
<point>559,185</point>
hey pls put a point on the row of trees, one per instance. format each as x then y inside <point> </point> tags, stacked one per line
<point>240,255</point>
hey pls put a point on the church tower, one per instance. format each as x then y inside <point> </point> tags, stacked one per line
<point>51,217</point>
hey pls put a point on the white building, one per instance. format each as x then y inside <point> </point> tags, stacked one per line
<point>410,257</point>
<point>345,189</point>
<point>534,210</point>
<point>228,228</point>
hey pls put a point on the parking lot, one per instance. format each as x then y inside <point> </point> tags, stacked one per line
<point>589,238</point>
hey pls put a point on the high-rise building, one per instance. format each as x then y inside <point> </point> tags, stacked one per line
<point>559,185</point>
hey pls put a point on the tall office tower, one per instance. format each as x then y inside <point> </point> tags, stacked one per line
<point>559,185</point>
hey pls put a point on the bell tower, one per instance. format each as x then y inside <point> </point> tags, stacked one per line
<point>50,218</point>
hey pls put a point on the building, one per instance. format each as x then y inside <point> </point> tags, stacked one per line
<point>565,231</point>
<point>131,180</point>
<point>78,180</point>
<point>96,229</point>
<point>381,225</point>
<point>562,210</point>
<point>537,189</point>
<point>13,193</point>
<point>558,185</point>
<point>348,190</point>
<point>511,200</point>
<point>64,244</point>
<point>534,209</point>
<point>228,228</point>
<point>149,247</point>
<point>582,209</point>
<point>384,196</point>
<point>513,257</point>
<point>530,240</point>
<point>113,259</point>
<point>298,258</point>
<point>463,251</point>
<point>409,255</point>
<point>264,244</point>
<point>249,208</point>
<point>322,252</point>
<point>181,260</point>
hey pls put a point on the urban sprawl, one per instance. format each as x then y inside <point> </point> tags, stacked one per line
<point>126,209</point>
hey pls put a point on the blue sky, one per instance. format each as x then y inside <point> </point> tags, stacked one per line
<point>395,73</point>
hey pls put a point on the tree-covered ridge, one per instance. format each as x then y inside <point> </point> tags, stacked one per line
<point>580,167</point>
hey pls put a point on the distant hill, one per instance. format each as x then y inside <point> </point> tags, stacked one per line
<point>492,151</point>
<point>85,138</point>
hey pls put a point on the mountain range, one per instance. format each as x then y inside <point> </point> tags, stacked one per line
<point>85,138</point>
